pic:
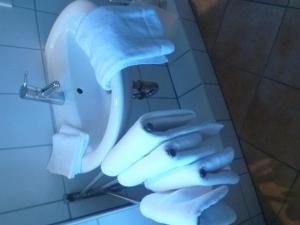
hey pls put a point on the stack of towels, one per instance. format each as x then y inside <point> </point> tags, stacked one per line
<point>177,161</point>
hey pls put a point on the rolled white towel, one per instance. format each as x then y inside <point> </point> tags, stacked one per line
<point>172,154</point>
<point>116,37</point>
<point>181,207</point>
<point>69,146</point>
<point>207,171</point>
<point>148,132</point>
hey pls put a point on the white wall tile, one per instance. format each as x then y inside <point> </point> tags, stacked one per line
<point>24,3</point>
<point>18,27</point>
<point>258,220</point>
<point>24,122</point>
<point>138,108</point>
<point>239,166</point>
<point>193,35</point>
<point>185,10</point>
<point>206,71</point>
<point>53,6</point>
<point>162,104</point>
<point>235,200</point>
<point>216,101</point>
<point>25,180</point>
<point>197,101</point>
<point>160,75</point>
<point>137,192</point>
<point>93,205</point>
<point>45,22</point>
<point>40,215</point>
<point>185,73</point>
<point>229,138</point>
<point>180,41</point>
<point>80,181</point>
<point>91,222</point>
<point>250,195</point>
<point>13,64</point>
<point>130,216</point>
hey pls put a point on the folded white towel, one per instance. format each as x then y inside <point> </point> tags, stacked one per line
<point>69,146</point>
<point>116,37</point>
<point>148,132</point>
<point>207,171</point>
<point>175,153</point>
<point>181,207</point>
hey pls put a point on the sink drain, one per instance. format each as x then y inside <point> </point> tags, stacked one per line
<point>79,91</point>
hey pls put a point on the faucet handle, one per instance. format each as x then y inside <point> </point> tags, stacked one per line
<point>25,79</point>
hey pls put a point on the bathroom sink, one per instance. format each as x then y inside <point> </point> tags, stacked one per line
<point>87,106</point>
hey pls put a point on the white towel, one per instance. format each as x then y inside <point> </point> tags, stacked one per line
<point>148,132</point>
<point>181,207</point>
<point>190,175</point>
<point>69,146</point>
<point>116,37</point>
<point>175,153</point>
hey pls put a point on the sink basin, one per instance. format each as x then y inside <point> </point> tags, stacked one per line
<point>87,106</point>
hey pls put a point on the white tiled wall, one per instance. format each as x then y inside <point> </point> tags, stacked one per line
<point>29,195</point>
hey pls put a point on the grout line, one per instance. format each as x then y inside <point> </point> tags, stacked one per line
<point>252,102</point>
<point>255,74</point>
<point>266,3</point>
<point>250,218</point>
<point>269,155</point>
<point>173,85</point>
<point>165,98</point>
<point>34,9</point>
<point>3,93</point>
<point>197,86</point>
<point>30,207</point>
<point>286,198</point>
<point>179,57</point>
<point>19,47</point>
<point>24,147</point>
<point>219,29</point>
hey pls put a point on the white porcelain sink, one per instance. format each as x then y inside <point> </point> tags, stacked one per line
<point>87,106</point>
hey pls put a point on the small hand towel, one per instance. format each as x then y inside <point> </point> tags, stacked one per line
<point>69,146</point>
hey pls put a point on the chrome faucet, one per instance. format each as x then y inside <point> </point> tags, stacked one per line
<point>49,94</point>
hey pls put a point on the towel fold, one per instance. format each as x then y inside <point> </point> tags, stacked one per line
<point>207,171</point>
<point>69,146</point>
<point>172,154</point>
<point>116,37</point>
<point>182,206</point>
<point>148,132</point>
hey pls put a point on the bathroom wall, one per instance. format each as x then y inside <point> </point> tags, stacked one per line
<point>28,193</point>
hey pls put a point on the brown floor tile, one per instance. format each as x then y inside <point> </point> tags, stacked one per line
<point>272,180</point>
<point>209,16</point>
<point>290,213</point>
<point>239,89</point>
<point>295,3</point>
<point>247,34</point>
<point>273,122</point>
<point>284,62</point>
<point>277,2</point>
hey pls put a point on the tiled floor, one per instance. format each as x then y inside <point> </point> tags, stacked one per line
<point>255,48</point>
<point>32,196</point>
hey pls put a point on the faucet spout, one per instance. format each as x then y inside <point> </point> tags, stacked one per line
<point>49,94</point>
